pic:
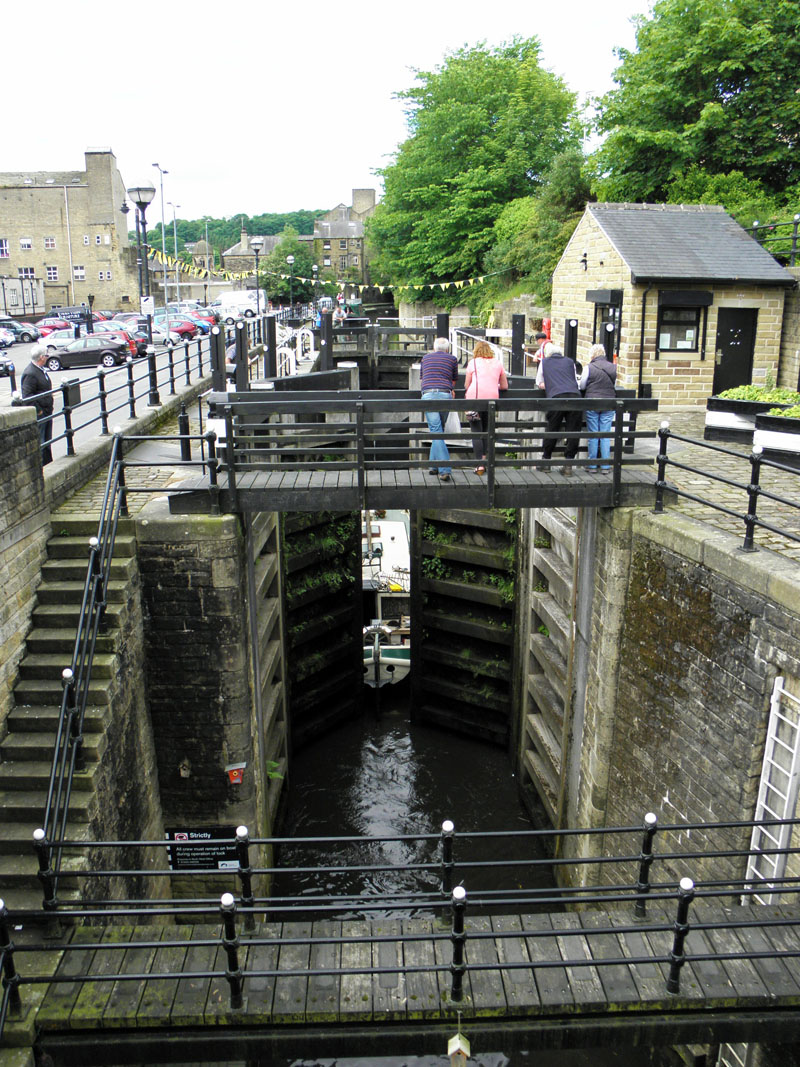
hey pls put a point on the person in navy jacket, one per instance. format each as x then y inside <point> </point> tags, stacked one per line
<point>36,389</point>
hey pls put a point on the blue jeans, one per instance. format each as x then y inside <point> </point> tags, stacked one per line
<point>599,422</point>
<point>439,453</point>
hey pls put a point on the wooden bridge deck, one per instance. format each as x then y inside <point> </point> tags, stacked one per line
<point>282,489</point>
<point>379,992</point>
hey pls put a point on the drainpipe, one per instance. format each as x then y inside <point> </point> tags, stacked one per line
<point>641,342</point>
<point>69,249</point>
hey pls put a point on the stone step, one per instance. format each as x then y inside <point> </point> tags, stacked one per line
<point>74,570</point>
<point>27,775</point>
<point>21,898</point>
<point>78,547</point>
<point>28,804</point>
<point>43,719</point>
<point>48,616</point>
<point>66,525</point>
<point>72,592</point>
<point>17,836</point>
<point>21,869</point>
<point>50,665</point>
<point>62,639</point>
<point>39,746</point>
<point>48,691</point>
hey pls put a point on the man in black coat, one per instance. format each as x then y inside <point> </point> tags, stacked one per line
<point>557,376</point>
<point>36,390</point>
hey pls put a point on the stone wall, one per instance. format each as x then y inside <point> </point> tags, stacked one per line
<point>24,529</point>
<point>789,373</point>
<point>689,634</point>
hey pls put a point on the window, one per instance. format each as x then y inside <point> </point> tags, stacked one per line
<point>104,275</point>
<point>354,260</point>
<point>79,274</point>
<point>100,275</point>
<point>326,246</point>
<point>326,261</point>
<point>679,329</point>
<point>108,275</point>
<point>106,238</point>
<point>28,273</point>
<point>52,274</point>
<point>13,298</point>
<point>97,239</point>
<point>25,243</point>
<point>49,243</point>
<point>3,248</point>
<point>343,243</point>
<point>342,262</point>
<point>86,238</point>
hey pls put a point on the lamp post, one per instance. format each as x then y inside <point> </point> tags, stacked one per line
<point>315,272</point>
<point>161,173</point>
<point>142,195</point>
<point>290,261</point>
<point>175,239</point>
<point>257,243</point>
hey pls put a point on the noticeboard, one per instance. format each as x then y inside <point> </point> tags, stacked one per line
<point>190,849</point>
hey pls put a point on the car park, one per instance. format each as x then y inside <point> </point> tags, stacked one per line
<point>185,327</point>
<point>90,351</point>
<point>58,339</point>
<point>115,329</point>
<point>23,331</point>
<point>46,325</point>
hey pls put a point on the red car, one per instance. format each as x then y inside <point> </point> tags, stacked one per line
<point>46,326</point>
<point>185,327</point>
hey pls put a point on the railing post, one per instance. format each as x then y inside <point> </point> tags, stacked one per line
<point>616,470</point>
<point>752,500</point>
<point>213,467</point>
<point>186,364</point>
<point>131,390</point>
<point>242,376</point>
<point>183,432</point>
<point>491,452</point>
<point>446,847</point>
<point>458,937</point>
<point>97,578</point>
<point>11,979</point>
<point>245,875</point>
<point>661,484</point>
<point>200,357</point>
<point>153,399</point>
<point>171,365</point>
<point>681,928</point>
<point>71,708</point>
<point>360,453</point>
<point>217,354</point>
<point>46,876</point>
<point>326,343</point>
<point>230,452</point>
<point>271,349</point>
<point>793,253</point>
<point>123,507</point>
<point>102,396</point>
<point>645,860</point>
<point>230,942</point>
<point>517,344</point>
<point>66,411</point>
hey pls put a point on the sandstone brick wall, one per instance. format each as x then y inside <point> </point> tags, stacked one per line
<point>688,637</point>
<point>24,529</point>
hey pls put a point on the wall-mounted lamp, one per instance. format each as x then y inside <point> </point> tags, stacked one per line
<point>585,260</point>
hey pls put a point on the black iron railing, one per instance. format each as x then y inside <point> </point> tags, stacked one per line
<point>450,858</point>
<point>752,491</point>
<point>782,237</point>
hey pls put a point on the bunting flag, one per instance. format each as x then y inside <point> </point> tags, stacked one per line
<point>170,263</point>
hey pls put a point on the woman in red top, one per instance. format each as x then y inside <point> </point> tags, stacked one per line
<point>485,378</point>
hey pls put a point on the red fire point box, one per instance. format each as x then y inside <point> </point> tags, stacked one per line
<point>235,773</point>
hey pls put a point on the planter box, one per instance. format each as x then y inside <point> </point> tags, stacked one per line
<point>733,420</point>
<point>779,438</point>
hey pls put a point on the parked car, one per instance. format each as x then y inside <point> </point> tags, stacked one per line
<point>185,327</point>
<point>23,331</point>
<point>89,351</point>
<point>50,323</point>
<point>58,339</point>
<point>6,337</point>
<point>137,326</point>
<point>118,330</point>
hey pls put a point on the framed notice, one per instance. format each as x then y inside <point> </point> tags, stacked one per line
<point>190,849</point>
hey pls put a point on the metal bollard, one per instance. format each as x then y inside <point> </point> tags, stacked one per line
<point>661,484</point>
<point>753,491</point>
<point>183,433</point>
<point>11,979</point>
<point>458,937</point>
<point>681,928</point>
<point>171,366</point>
<point>102,396</point>
<point>245,875</point>
<point>230,942</point>
<point>446,845</point>
<point>131,390</point>
<point>153,400</point>
<point>645,859</point>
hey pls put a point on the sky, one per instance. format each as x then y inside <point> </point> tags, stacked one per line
<point>260,106</point>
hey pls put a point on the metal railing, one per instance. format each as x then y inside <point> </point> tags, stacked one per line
<point>455,872</point>
<point>785,245</point>
<point>754,491</point>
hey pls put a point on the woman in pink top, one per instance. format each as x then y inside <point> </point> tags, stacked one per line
<point>485,378</point>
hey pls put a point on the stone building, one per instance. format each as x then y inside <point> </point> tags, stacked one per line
<point>695,305</point>
<point>68,229</point>
<point>338,239</point>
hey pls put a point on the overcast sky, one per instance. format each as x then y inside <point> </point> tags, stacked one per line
<point>259,106</point>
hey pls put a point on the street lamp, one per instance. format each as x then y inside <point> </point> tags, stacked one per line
<point>290,261</point>
<point>161,173</point>
<point>142,195</point>
<point>314,271</point>
<point>175,238</point>
<point>257,243</point>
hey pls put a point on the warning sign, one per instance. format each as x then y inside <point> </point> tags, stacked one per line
<point>191,849</point>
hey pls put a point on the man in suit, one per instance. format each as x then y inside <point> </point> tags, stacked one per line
<point>36,390</point>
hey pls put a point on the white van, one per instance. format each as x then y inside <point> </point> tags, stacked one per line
<point>239,302</point>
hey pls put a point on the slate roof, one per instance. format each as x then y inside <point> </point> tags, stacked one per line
<point>686,242</point>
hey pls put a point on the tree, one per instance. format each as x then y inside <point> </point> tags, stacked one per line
<point>712,83</point>
<point>272,266</point>
<point>484,127</point>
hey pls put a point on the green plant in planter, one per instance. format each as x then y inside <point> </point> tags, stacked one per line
<point>758,394</point>
<point>786,413</point>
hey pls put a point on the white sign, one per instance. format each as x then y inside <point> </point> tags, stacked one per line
<point>148,305</point>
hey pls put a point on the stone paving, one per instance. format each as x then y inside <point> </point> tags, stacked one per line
<point>684,423</point>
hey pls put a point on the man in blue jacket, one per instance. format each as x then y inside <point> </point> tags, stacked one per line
<point>557,376</point>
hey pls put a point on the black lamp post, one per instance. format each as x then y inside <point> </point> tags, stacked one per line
<point>257,243</point>
<point>314,271</point>
<point>142,195</point>
<point>290,261</point>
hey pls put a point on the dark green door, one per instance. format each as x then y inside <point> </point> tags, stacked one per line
<point>736,339</point>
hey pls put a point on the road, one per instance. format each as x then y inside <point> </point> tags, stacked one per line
<point>86,419</point>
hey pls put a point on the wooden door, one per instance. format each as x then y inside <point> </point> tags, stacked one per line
<point>736,338</point>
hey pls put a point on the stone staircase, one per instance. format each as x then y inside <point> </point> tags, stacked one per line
<point>27,750</point>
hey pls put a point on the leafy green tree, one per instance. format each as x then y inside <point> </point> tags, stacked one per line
<point>745,198</point>
<point>712,83</point>
<point>484,127</point>
<point>274,265</point>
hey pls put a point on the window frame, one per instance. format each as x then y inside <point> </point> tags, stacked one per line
<point>4,253</point>
<point>26,244</point>
<point>667,313</point>
<point>52,274</point>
